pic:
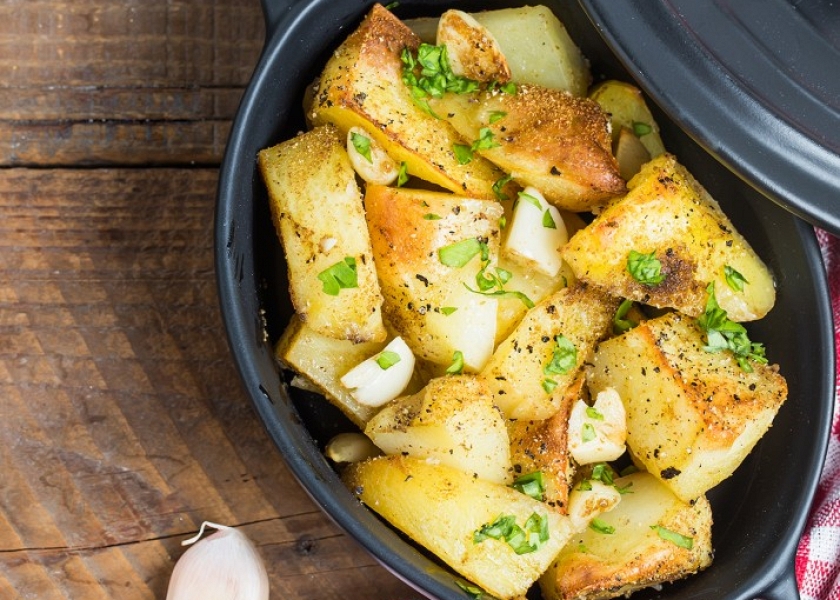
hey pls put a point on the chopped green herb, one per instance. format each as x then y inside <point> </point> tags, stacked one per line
<point>603,473</point>
<point>427,73</point>
<point>585,485</point>
<point>496,116</point>
<point>548,220</point>
<point>530,200</point>
<point>508,88</point>
<point>502,222</point>
<point>387,359</point>
<point>474,591</point>
<point>505,294</point>
<point>588,433</point>
<point>532,484</point>
<point>725,334</point>
<point>460,253</point>
<point>548,385</point>
<point>448,310</point>
<point>457,366</point>
<point>522,539</point>
<point>601,527</point>
<point>463,153</point>
<point>645,268</point>
<point>362,145</point>
<point>392,5</point>
<point>734,279</point>
<point>402,175</point>
<point>594,413</point>
<point>641,129</point>
<point>621,323</point>
<point>485,141</point>
<point>499,185</point>
<point>683,541</point>
<point>432,217</point>
<point>629,470</point>
<point>564,357</point>
<point>624,489</point>
<point>340,276</point>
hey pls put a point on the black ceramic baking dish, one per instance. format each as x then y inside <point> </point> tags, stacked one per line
<point>760,512</point>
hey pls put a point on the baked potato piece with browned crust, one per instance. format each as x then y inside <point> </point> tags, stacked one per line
<point>362,86</point>
<point>650,538</point>
<point>531,369</point>
<point>542,446</point>
<point>670,218</point>
<point>692,415</point>
<point>429,249</point>
<point>317,211</point>
<point>548,139</point>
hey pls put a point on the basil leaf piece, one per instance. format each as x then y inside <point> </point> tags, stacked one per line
<point>402,175</point>
<point>505,294</point>
<point>448,310</point>
<point>531,484</point>
<point>463,153</point>
<point>499,185</point>
<point>594,413</point>
<point>621,323</point>
<point>645,268</point>
<point>530,200</point>
<point>457,366</point>
<point>460,253</point>
<point>588,433</point>
<point>362,145</point>
<point>564,357</point>
<point>496,116</point>
<point>601,527</point>
<point>340,276</point>
<point>548,385</point>
<point>387,359</point>
<point>683,541</point>
<point>640,128</point>
<point>473,591</point>
<point>486,140</point>
<point>724,334</point>
<point>734,279</point>
<point>548,220</point>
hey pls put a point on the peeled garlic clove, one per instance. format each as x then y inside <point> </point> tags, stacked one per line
<point>598,433</point>
<point>383,376</point>
<point>586,504</point>
<point>536,233</point>
<point>369,158</point>
<point>222,566</point>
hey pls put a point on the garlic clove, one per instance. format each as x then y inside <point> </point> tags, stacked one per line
<point>598,433</point>
<point>369,159</point>
<point>382,377</point>
<point>222,566</point>
<point>586,504</point>
<point>536,233</point>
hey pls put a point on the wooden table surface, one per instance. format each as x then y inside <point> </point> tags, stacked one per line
<point>123,425</point>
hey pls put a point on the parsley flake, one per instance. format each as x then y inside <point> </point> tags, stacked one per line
<point>621,323</point>
<point>460,253</point>
<point>499,185</point>
<point>362,145</point>
<point>563,358</point>
<point>340,276</point>
<point>531,484</point>
<point>645,268</point>
<point>387,359</point>
<point>683,541</point>
<point>601,527</point>
<point>457,366</point>
<point>725,334</point>
<point>734,279</point>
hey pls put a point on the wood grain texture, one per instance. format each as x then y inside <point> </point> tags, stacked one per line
<point>123,424</point>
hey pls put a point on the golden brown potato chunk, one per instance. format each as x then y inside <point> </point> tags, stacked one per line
<point>317,210</point>
<point>692,415</point>
<point>669,215</point>
<point>362,86</point>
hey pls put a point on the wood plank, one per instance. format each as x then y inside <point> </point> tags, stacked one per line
<point>122,422</point>
<point>157,83</point>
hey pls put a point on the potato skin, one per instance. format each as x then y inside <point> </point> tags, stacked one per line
<point>669,213</point>
<point>361,85</point>
<point>317,211</point>
<point>692,415</point>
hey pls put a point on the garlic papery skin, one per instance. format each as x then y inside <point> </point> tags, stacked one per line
<point>536,233</point>
<point>372,385</point>
<point>222,566</point>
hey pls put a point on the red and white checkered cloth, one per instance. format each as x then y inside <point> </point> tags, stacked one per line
<point>818,555</point>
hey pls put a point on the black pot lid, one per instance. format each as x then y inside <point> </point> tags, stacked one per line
<point>756,82</point>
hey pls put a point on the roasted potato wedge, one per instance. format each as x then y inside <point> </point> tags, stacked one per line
<point>452,421</point>
<point>446,510</point>
<point>627,109</point>
<point>531,369</point>
<point>668,213</point>
<point>548,139</point>
<point>317,210</point>
<point>692,415</point>
<point>543,447</point>
<point>427,301</point>
<point>651,529</point>
<point>538,48</point>
<point>323,360</point>
<point>361,85</point>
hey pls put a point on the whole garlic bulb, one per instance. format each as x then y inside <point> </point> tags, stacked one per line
<point>222,566</point>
